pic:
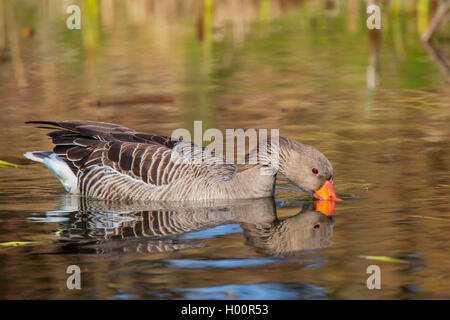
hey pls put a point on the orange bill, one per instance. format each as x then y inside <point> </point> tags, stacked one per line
<point>324,206</point>
<point>326,192</point>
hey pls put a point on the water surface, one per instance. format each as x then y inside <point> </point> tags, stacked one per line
<point>300,67</point>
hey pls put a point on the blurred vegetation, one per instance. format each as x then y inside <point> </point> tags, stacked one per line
<point>213,23</point>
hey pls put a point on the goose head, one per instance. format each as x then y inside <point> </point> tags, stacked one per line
<point>307,168</point>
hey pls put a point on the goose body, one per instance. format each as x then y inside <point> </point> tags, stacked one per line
<point>108,161</point>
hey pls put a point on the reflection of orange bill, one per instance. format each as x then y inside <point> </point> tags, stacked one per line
<point>326,192</point>
<point>325,206</point>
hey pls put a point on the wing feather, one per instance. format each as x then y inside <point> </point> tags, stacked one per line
<point>153,159</point>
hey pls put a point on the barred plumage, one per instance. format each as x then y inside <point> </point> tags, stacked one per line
<point>109,161</point>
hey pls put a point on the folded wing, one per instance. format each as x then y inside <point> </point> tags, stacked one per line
<point>153,159</point>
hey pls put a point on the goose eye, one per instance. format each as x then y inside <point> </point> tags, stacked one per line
<point>315,171</point>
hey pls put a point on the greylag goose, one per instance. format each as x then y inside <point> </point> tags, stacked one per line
<point>108,161</point>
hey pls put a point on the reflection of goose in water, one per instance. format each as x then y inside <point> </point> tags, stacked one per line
<point>165,227</point>
<point>306,230</point>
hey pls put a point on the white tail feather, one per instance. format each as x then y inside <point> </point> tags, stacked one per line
<point>57,167</point>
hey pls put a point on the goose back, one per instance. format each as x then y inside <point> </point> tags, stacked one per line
<point>115,162</point>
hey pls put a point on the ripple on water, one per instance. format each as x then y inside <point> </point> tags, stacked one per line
<point>259,291</point>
